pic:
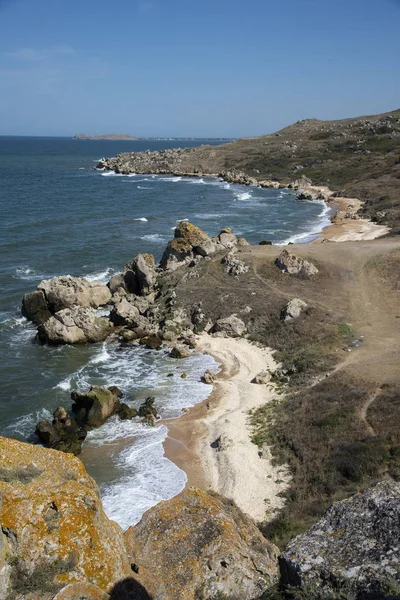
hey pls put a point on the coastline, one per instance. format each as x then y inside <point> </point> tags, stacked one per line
<point>211,442</point>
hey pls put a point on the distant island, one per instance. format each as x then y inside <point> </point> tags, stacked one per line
<point>106,136</point>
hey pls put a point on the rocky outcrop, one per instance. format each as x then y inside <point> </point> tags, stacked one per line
<point>96,406</point>
<point>293,309</point>
<point>81,591</point>
<point>294,265</point>
<point>58,293</point>
<point>63,433</point>
<point>124,313</point>
<point>232,265</point>
<point>180,351</point>
<point>54,530</point>
<point>148,411</point>
<point>140,275</point>
<point>74,325</point>
<point>189,241</point>
<point>200,545</point>
<point>230,326</point>
<point>208,377</point>
<point>356,545</point>
<point>225,240</point>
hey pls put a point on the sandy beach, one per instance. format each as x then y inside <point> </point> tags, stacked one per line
<point>212,444</point>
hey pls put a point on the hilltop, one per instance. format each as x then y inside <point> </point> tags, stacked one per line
<point>357,157</point>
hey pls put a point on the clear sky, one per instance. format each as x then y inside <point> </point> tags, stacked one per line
<point>193,67</point>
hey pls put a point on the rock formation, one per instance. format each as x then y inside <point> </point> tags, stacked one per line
<point>294,265</point>
<point>200,545</point>
<point>293,309</point>
<point>140,275</point>
<point>230,326</point>
<point>189,241</point>
<point>74,325</point>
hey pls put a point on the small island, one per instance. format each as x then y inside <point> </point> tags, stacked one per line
<point>106,136</point>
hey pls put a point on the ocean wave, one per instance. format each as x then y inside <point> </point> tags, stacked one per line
<point>243,196</point>
<point>141,219</point>
<point>154,237</point>
<point>103,276</point>
<point>143,187</point>
<point>25,425</point>
<point>27,273</point>
<point>312,229</point>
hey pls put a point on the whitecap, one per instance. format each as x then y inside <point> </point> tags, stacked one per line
<point>154,237</point>
<point>25,425</point>
<point>102,276</point>
<point>143,187</point>
<point>141,219</point>
<point>243,195</point>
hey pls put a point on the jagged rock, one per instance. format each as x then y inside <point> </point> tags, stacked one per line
<point>302,195</point>
<point>140,275</point>
<point>81,591</point>
<point>128,335</point>
<point>63,292</point>
<point>142,303</point>
<point>74,325</point>
<point>124,313</point>
<point>180,352</point>
<point>142,327</point>
<point>55,529</point>
<point>231,326</point>
<point>188,242</point>
<point>116,283</point>
<point>233,266</point>
<point>265,243</point>
<point>208,377</point>
<point>63,434</point>
<point>225,240</point>
<point>356,543</point>
<point>243,242</point>
<point>95,407</point>
<point>262,378</point>
<point>126,412</point>
<point>148,411</point>
<point>200,545</point>
<point>153,342</point>
<point>294,265</point>
<point>293,309</point>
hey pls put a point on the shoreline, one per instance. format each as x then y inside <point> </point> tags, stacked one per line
<point>212,443</point>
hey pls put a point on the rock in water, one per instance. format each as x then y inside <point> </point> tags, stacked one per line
<point>74,325</point>
<point>124,313</point>
<point>148,411</point>
<point>200,545</point>
<point>356,544</point>
<point>180,352</point>
<point>293,309</point>
<point>140,275</point>
<point>63,434</point>
<point>230,326</point>
<point>294,265</point>
<point>54,530</point>
<point>94,408</point>
<point>189,241</point>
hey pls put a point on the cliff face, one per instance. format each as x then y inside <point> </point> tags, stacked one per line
<point>54,529</point>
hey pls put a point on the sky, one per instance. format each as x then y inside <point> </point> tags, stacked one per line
<point>218,68</point>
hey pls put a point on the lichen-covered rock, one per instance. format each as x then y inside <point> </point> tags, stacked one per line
<point>189,241</point>
<point>116,283</point>
<point>55,530</point>
<point>81,591</point>
<point>74,325</point>
<point>356,544</point>
<point>230,326</point>
<point>294,265</point>
<point>200,545</point>
<point>140,275</point>
<point>293,309</point>
<point>180,351</point>
<point>225,240</point>
<point>232,265</point>
<point>62,434</point>
<point>124,313</point>
<point>94,408</point>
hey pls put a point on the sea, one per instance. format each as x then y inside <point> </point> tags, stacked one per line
<point>59,215</point>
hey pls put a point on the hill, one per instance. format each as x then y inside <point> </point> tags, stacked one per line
<point>106,136</point>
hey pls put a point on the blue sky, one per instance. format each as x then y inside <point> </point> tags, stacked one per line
<point>193,67</point>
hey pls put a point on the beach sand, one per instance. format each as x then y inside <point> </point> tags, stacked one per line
<point>233,467</point>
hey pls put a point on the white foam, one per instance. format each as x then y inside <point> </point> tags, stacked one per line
<point>154,237</point>
<point>27,273</point>
<point>102,276</point>
<point>141,219</point>
<point>243,196</point>
<point>64,385</point>
<point>315,227</point>
<point>100,357</point>
<point>143,187</point>
<point>111,174</point>
<point>25,425</point>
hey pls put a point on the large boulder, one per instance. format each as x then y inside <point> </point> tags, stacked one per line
<point>81,591</point>
<point>140,275</point>
<point>232,265</point>
<point>293,309</point>
<point>225,240</point>
<point>294,265</point>
<point>96,406</point>
<point>124,313</point>
<point>189,241</point>
<point>200,545</point>
<point>74,325</point>
<point>63,433</point>
<point>63,292</point>
<point>230,326</point>
<point>54,529</point>
<point>356,545</point>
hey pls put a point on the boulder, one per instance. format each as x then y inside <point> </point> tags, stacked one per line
<point>124,313</point>
<point>153,342</point>
<point>74,325</point>
<point>65,292</point>
<point>116,283</point>
<point>243,242</point>
<point>225,240</point>
<point>148,411</point>
<point>81,591</point>
<point>231,326</point>
<point>180,351</point>
<point>208,377</point>
<point>294,265</point>
<point>63,434</point>
<point>142,327</point>
<point>262,378</point>
<point>55,531</point>
<point>233,266</point>
<point>355,545</point>
<point>200,545</point>
<point>95,407</point>
<point>34,307</point>
<point>126,412</point>
<point>140,275</point>
<point>293,309</point>
<point>189,241</point>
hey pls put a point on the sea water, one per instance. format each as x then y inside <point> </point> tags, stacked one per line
<point>58,215</point>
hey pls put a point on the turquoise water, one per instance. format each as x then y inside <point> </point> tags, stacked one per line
<point>59,215</point>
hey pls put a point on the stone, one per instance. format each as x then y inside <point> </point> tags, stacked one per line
<point>200,545</point>
<point>262,378</point>
<point>140,275</point>
<point>124,313</point>
<point>142,327</point>
<point>94,408</point>
<point>148,411</point>
<point>189,241</point>
<point>34,307</point>
<point>265,243</point>
<point>63,434</point>
<point>293,309</point>
<point>303,195</point>
<point>243,242</point>
<point>55,530</point>
<point>233,266</point>
<point>126,412</point>
<point>128,335</point>
<point>153,342</point>
<point>225,240</point>
<point>116,283</point>
<point>81,591</point>
<point>180,351</point>
<point>74,325</point>
<point>356,544</point>
<point>208,377</point>
<point>231,326</point>
<point>294,265</point>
